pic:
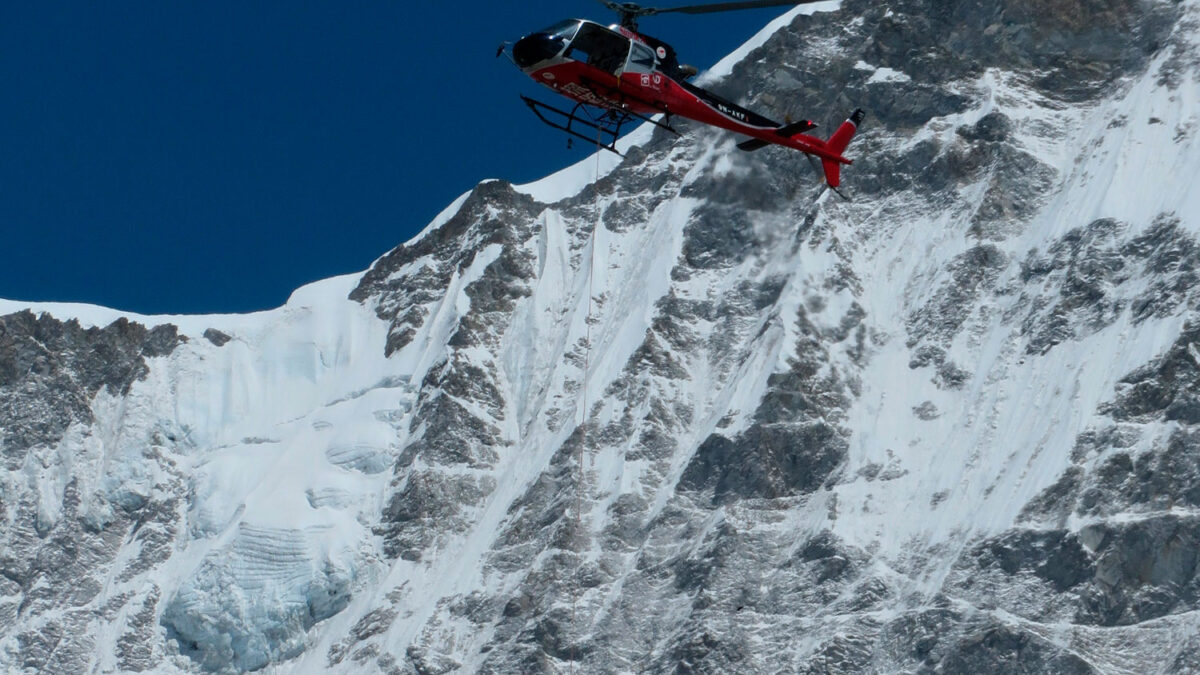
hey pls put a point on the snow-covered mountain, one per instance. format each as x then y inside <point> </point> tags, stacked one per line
<point>669,413</point>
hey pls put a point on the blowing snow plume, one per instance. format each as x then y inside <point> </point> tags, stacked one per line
<point>947,427</point>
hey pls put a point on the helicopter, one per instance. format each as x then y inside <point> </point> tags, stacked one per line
<point>616,75</point>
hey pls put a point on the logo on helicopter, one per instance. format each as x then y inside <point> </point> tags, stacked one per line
<point>581,93</point>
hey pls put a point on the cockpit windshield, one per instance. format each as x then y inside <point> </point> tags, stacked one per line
<point>599,47</point>
<point>563,29</point>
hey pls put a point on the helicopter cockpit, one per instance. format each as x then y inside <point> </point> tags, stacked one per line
<point>585,42</point>
<point>599,47</point>
<point>544,44</point>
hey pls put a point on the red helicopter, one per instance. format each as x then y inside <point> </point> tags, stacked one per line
<point>617,75</point>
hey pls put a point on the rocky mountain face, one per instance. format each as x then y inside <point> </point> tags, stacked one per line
<point>677,413</point>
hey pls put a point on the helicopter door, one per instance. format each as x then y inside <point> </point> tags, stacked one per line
<point>641,59</point>
<point>599,47</point>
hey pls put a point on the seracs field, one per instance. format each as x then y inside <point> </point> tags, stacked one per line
<point>950,426</point>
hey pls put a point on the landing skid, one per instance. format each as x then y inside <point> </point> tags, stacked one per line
<point>606,122</point>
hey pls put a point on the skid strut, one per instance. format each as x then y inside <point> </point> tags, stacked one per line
<point>607,129</point>
<point>606,122</point>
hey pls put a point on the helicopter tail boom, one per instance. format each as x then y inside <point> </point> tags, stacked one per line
<point>786,131</point>
<point>830,152</point>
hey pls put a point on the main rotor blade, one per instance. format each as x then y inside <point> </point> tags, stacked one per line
<point>630,11</point>
<point>730,6</point>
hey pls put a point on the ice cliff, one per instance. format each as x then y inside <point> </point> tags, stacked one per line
<point>948,427</point>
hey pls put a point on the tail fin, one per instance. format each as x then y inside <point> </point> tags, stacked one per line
<point>838,143</point>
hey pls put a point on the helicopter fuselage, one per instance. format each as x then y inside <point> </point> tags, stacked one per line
<point>617,69</point>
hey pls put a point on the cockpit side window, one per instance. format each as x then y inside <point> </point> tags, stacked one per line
<point>599,47</point>
<point>641,59</point>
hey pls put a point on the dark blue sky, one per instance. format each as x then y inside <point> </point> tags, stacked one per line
<point>180,157</point>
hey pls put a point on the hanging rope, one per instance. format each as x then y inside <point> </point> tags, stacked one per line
<point>587,364</point>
